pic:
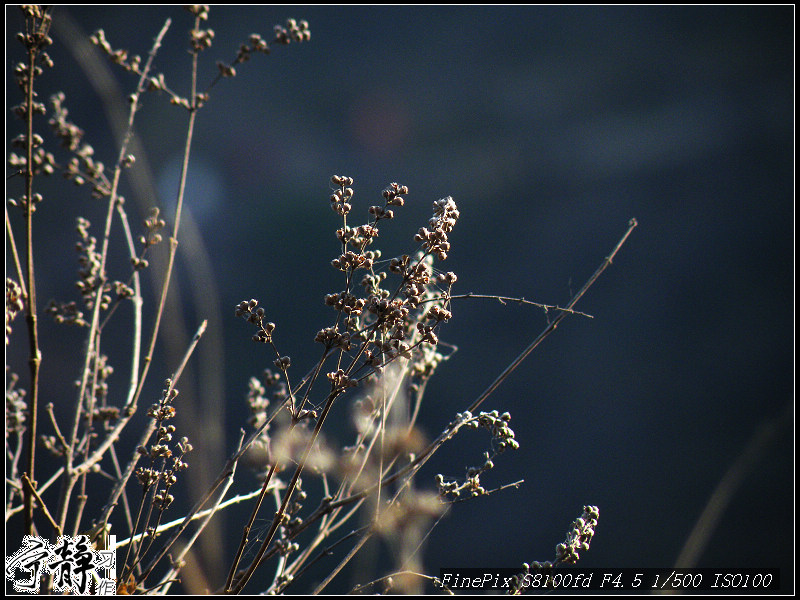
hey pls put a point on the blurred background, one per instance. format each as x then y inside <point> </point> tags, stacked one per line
<point>551,127</point>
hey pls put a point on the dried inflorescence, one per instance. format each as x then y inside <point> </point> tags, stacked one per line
<point>14,303</point>
<point>254,314</point>
<point>386,325</point>
<point>35,39</point>
<point>502,439</point>
<point>166,459</point>
<point>199,40</point>
<point>91,278</point>
<point>434,240</point>
<point>65,130</point>
<point>393,315</point>
<point>579,536</point>
<point>119,57</point>
<point>341,197</point>
<point>294,30</point>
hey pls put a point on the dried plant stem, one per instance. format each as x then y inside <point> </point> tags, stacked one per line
<point>35,355</point>
<point>363,586</point>
<point>71,474</point>
<point>28,485</point>
<point>353,551</point>
<point>137,309</point>
<point>246,534</point>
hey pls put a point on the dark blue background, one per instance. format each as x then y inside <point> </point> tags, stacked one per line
<point>551,127</point>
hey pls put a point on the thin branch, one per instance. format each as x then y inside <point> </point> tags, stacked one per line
<point>42,24</point>
<point>353,551</point>
<point>434,580</point>
<point>504,299</point>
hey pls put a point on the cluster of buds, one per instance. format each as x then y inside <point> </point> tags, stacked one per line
<point>100,410</point>
<point>390,312</point>
<point>162,500</point>
<point>332,338</point>
<point>163,410</point>
<point>201,39</point>
<point>255,43</point>
<point>340,199</point>
<point>39,21</point>
<point>153,225</point>
<point>350,261</point>
<point>359,237</point>
<point>252,313</point>
<point>345,302</point>
<point>21,141</point>
<point>340,381</point>
<point>89,260</point>
<point>393,194</point>
<point>119,57</point>
<point>43,163</point>
<point>426,332</point>
<point>161,450</point>
<point>295,31</point>
<point>16,407</point>
<point>149,476</point>
<point>415,281</point>
<point>579,536</point>
<point>65,130</point>
<point>446,279</point>
<point>445,215</point>
<point>381,213</point>
<point>257,401</point>
<point>471,486</point>
<point>14,303</point>
<point>497,424</point>
<point>425,363</point>
<point>66,312</point>
<point>372,284</point>
<point>399,265</point>
<point>91,278</point>
<point>283,362</point>
<point>434,316</point>
<point>502,438</point>
<point>82,168</point>
<point>291,521</point>
<point>198,10</point>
